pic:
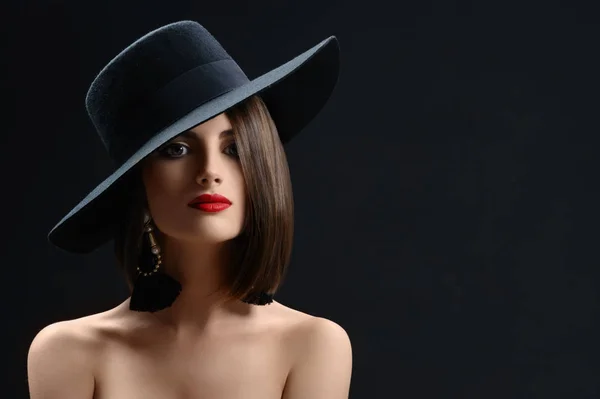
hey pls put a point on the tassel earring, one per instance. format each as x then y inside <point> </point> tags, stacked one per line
<point>153,290</point>
<point>261,298</point>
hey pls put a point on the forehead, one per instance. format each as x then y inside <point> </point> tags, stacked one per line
<point>216,125</point>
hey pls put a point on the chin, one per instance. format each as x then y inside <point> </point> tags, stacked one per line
<point>214,231</point>
<point>206,228</point>
<point>213,238</point>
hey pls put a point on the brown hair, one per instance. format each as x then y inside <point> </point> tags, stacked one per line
<point>262,250</point>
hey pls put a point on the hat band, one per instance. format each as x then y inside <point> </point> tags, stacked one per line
<point>141,121</point>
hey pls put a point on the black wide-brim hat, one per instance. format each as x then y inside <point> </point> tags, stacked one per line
<point>169,81</point>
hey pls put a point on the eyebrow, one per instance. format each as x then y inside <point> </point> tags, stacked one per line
<point>191,135</point>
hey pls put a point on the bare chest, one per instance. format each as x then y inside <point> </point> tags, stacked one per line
<point>227,368</point>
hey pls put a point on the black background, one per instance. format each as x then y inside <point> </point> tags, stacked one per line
<point>446,197</point>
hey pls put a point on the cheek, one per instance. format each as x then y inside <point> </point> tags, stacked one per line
<point>162,182</point>
<point>240,184</point>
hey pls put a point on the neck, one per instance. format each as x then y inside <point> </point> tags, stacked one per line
<point>203,302</point>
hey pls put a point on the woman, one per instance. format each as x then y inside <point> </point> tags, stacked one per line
<point>200,210</point>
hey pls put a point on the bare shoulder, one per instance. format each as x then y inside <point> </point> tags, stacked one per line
<point>289,318</point>
<point>62,335</point>
<point>306,333</point>
<point>302,326</point>
<point>61,360</point>
<point>322,358</point>
<point>84,333</point>
<point>81,336</point>
<point>319,333</point>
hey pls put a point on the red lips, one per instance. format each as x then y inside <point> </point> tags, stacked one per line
<point>208,198</point>
<point>210,203</point>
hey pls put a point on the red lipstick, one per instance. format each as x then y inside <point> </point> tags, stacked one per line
<point>210,203</point>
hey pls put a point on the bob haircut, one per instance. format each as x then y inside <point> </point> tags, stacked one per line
<point>262,251</point>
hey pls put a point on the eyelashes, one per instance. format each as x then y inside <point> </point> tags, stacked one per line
<point>232,150</point>
<point>179,150</point>
<point>166,151</point>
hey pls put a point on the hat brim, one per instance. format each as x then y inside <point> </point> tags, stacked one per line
<point>294,93</point>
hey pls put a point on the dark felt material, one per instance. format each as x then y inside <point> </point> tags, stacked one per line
<point>167,82</point>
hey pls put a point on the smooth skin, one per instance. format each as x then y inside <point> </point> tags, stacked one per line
<point>205,345</point>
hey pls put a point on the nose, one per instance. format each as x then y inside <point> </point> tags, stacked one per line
<point>208,174</point>
<point>208,179</point>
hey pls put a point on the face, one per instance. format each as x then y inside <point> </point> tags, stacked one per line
<point>201,161</point>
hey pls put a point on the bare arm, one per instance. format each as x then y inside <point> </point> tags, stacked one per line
<point>59,364</point>
<point>323,365</point>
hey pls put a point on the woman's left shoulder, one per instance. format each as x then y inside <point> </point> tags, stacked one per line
<point>319,352</point>
<point>301,326</point>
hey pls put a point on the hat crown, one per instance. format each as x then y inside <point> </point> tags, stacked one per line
<point>143,68</point>
<point>167,82</point>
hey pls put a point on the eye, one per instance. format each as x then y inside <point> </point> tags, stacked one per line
<point>173,150</point>
<point>232,150</point>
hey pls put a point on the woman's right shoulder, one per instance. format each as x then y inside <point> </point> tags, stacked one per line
<point>64,356</point>
<point>61,361</point>
<point>91,333</point>
<point>79,338</point>
<point>86,333</point>
<point>68,334</point>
